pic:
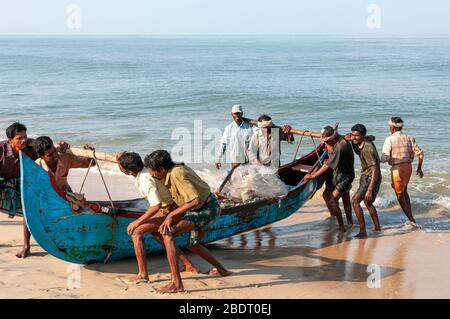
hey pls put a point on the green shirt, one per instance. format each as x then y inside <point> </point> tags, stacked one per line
<point>368,155</point>
<point>185,185</point>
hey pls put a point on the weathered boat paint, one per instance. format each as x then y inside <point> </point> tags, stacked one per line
<point>87,237</point>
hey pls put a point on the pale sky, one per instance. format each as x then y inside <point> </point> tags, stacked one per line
<point>167,17</point>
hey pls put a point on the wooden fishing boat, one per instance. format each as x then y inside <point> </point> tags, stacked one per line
<point>88,237</point>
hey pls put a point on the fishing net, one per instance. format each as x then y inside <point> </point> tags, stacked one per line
<point>248,183</point>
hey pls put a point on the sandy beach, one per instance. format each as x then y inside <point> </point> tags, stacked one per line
<point>303,256</point>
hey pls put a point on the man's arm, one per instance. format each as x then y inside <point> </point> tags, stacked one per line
<point>76,161</point>
<point>284,134</point>
<point>386,152</point>
<point>419,167</point>
<point>419,153</point>
<point>151,211</point>
<point>375,170</point>
<point>318,173</point>
<point>220,154</point>
<point>223,147</point>
<point>176,214</point>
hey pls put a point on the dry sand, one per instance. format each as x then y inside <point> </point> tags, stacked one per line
<point>302,256</point>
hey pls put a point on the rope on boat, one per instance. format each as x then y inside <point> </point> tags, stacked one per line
<point>298,147</point>
<point>114,222</point>
<point>317,152</point>
<point>85,176</point>
<point>103,180</point>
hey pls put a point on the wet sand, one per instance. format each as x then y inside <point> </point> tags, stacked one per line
<point>303,256</point>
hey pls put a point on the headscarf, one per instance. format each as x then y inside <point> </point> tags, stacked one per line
<point>265,124</point>
<point>393,124</point>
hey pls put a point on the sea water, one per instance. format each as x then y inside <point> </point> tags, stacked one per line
<point>176,93</point>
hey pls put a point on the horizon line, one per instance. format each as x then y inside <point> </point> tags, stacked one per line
<point>213,34</point>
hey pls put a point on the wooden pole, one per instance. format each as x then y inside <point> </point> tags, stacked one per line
<point>101,156</point>
<point>292,131</point>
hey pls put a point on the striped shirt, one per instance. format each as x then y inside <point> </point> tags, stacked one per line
<point>400,148</point>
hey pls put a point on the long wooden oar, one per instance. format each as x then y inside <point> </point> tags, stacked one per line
<point>292,131</point>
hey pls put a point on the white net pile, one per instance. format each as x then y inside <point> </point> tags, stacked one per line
<point>248,183</point>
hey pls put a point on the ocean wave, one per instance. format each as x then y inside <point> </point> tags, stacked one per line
<point>443,202</point>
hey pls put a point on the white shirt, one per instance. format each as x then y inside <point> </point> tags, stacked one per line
<point>267,151</point>
<point>237,138</point>
<point>153,190</point>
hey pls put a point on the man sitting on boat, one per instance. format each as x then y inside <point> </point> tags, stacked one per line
<point>197,210</point>
<point>265,144</point>
<point>236,137</point>
<point>341,161</point>
<point>160,203</point>
<point>10,200</point>
<point>59,160</point>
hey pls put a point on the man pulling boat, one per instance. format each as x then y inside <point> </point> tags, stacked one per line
<point>370,180</point>
<point>160,204</point>
<point>341,162</point>
<point>197,210</point>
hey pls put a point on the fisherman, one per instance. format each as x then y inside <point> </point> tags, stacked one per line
<point>160,203</point>
<point>370,180</point>
<point>10,200</point>
<point>59,160</point>
<point>347,203</point>
<point>399,150</point>
<point>236,138</point>
<point>265,144</point>
<point>341,161</point>
<point>197,210</point>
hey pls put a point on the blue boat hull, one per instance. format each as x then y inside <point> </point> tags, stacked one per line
<point>88,237</point>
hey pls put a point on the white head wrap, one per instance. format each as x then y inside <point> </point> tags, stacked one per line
<point>237,108</point>
<point>392,124</point>
<point>264,124</point>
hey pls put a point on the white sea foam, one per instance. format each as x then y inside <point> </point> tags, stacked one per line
<point>443,202</point>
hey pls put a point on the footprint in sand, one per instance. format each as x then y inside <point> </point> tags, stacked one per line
<point>159,277</point>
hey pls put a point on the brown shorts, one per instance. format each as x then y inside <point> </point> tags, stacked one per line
<point>400,175</point>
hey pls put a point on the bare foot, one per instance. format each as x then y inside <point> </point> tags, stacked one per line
<point>361,235</point>
<point>219,272</point>
<point>24,253</point>
<point>189,269</point>
<point>170,288</point>
<point>134,280</point>
<point>377,229</point>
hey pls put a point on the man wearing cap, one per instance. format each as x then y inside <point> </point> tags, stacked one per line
<point>399,150</point>
<point>341,161</point>
<point>265,144</point>
<point>236,138</point>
